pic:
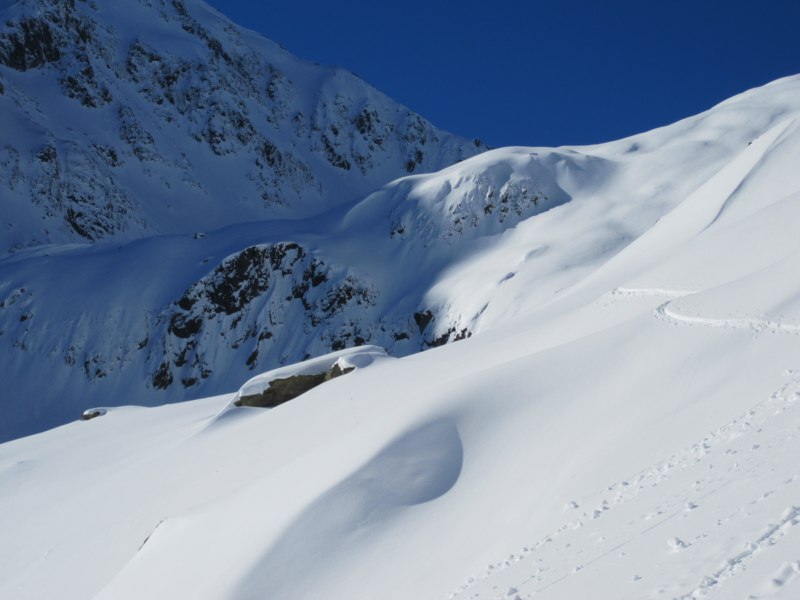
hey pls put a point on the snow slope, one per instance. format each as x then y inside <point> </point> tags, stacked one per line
<point>624,422</point>
<point>121,120</point>
<point>422,261</point>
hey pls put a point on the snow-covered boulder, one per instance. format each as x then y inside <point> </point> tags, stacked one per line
<point>281,385</point>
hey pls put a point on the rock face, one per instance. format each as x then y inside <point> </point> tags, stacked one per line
<point>112,132</point>
<point>252,296</point>
<point>276,304</point>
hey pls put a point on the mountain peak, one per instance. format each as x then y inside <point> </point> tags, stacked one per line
<point>128,119</point>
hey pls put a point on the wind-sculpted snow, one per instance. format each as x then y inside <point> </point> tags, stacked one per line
<point>125,119</point>
<point>424,261</point>
<point>465,202</point>
<point>623,422</point>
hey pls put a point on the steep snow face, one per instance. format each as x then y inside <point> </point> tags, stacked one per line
<point>625,423</point>
<point>423,261</point>
<point>126,119</point>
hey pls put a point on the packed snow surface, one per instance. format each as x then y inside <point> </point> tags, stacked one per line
<point>624,422</point>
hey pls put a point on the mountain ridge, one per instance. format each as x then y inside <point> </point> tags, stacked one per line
<point>470,247</point>
<point>127,120</point>
<point>619,418</point>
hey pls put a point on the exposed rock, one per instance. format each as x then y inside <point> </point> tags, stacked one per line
<point>76,187</point>
<point>92,413</point>
<point>283,390</point>
<point>451,335</point>
<point>29,46</point>
<point>423,319</point>
<point>247,297</point>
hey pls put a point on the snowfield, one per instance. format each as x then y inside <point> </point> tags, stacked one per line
<point>624,421</point>
<point>422,261</point>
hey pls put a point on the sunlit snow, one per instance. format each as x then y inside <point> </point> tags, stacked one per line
<point>622,422</point>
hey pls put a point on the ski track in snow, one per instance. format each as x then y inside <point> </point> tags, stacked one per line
<point>755,325</point>
<point>725,445</point>
<point>636,292</point>
<point>667,313</point>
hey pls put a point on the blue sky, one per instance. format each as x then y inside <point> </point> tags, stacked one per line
<point>543,73</point>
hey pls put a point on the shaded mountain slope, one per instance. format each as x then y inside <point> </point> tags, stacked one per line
<point>127,119</point>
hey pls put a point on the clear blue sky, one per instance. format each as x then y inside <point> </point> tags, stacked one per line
<point>542,73</point>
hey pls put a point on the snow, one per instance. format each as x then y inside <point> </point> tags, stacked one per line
<point>356,358</point>
<point>508,233</point>
<point>624,421</point>
<point>359,357</point>
<point>443,472</point>
<point>166,117</point>
<point>91,413</point>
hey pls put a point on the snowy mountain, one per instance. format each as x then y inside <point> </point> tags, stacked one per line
<point>606,405</point>
<point>624,421</point>
<point>122,120</point>
<point>425,260</point>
